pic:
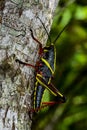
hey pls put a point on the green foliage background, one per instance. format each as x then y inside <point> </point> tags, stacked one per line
<point>71,70</point>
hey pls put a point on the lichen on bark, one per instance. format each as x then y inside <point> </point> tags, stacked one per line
<point>16,80</point>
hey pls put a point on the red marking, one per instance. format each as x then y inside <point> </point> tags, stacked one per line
<point>41,73</point>
<point>44,104</point>
<point>40,50</point>
<point>23,63</point>
<point>30,65</point>
<point>40,45</point>
<point>51,103</point>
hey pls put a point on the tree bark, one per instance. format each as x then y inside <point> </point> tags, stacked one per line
<point>16,80</point>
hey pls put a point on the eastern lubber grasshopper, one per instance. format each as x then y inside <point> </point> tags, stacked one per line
<point>45,69</point>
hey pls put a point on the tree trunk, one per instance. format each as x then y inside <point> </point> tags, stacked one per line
<point>16,80</point>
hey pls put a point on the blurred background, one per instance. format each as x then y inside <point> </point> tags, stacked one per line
<point>71,70</point>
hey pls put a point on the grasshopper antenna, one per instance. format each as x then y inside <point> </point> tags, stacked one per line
<point>45,29</point>
<point>60,33</point>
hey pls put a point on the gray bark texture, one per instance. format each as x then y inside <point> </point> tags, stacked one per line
<point>16,80</point>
